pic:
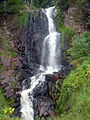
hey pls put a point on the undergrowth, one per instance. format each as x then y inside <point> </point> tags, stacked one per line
<point>6,109</point>
<point>74,100</point>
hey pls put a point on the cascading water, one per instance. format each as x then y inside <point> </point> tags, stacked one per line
<point>50,62</point>
<point>26,101</point>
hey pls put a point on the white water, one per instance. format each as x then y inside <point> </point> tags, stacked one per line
<point>50,62</point>
<point>26,102</point>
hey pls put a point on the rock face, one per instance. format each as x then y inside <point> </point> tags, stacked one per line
<point>74,18</point>
<point>35,31</point>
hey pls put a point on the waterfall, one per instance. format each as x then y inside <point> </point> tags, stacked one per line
<point>50,62</point>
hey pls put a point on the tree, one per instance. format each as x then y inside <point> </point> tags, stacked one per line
<point>42,3</point>
<point>10,6</point>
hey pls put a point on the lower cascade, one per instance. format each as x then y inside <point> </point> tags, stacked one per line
<point>50,62</point>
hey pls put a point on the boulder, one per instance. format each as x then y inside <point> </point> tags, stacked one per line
<point>46,107</point>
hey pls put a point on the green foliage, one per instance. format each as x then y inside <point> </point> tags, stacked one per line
<point>83,6</point>
<point>8,49</point>
<point>8,110</point>
<point>62,4</point>
<point>66,32</point>
<point>11,6</point>
<point>80,46</point>
<point>1,7</point>
<point>5,109</point>
<point>74,101</point>
<point>21,18</point>
<point>42,3</point>
<point>54,93</point>
<point>3,101</point>
<point>74,97</point>
<point>6,117</point>
<point>81,3</point>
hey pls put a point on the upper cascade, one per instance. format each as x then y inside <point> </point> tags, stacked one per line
<point>51,54</point>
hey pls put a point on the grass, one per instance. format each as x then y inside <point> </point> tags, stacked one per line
<point>74,101</point>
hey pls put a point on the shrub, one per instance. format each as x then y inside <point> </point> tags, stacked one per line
<point>80,46</point>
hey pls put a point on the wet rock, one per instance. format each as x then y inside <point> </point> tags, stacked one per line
<point>17,104</point>
<point>49,77</point>
<point>17,88</point>
<point>53,77</point>
<point>17,112</point>
<point>34,34</point>
<point>26,83</point>
<point>41,90</point>
<point>46,107</point>
<point>17,101</point>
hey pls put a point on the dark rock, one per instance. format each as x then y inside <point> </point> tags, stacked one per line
<point>46,107</point>
<point>16,89</point>
<point>26,83</point>
<point>34,34</point>
<point>41,90</point>
<point>17,112</point>
<point>16,105</point>
<point>9,92</point>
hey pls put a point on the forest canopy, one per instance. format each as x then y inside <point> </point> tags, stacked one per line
<point>14,6</point>
<point>10,6</point>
